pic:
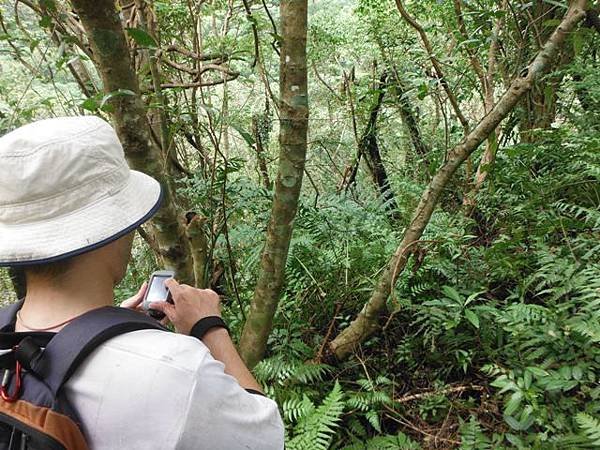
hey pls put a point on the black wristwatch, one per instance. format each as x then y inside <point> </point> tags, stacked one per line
<point>201,327</point>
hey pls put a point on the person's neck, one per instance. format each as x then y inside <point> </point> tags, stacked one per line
<point>48,303</point>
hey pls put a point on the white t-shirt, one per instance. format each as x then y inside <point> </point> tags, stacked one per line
<point>155,390</point>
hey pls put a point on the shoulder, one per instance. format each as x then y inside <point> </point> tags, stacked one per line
<point>154,346</point>
<point>147,373</point>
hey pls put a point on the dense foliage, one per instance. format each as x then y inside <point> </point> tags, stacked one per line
<point>492,337</point>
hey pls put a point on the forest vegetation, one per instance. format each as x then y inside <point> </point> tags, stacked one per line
<point>399,200</point>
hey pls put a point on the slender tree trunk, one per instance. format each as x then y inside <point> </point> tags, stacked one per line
<point>409,119</point>
<point>260,153</point>
<point>292,141</point>
<point>369,148</point>
<point>435,63</point>
<point>489,155</point>
<point>366,323</point>
<point>103,27</point>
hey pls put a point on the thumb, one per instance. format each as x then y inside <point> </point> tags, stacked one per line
<point>135,300</point>
<point>142,288</point>
<point>164,307</point>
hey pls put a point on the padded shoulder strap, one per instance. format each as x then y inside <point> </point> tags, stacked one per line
<point>78,339</point>
<point>8,314</point>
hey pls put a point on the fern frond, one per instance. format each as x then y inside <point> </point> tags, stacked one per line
<point>590,426</point>
<point>315,431</point>
<point>392,442</point>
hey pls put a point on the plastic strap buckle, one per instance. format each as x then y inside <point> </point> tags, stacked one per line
<point>4,394</point>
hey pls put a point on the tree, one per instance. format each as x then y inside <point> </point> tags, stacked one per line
<point>107,40</point>
<point>292,156</point>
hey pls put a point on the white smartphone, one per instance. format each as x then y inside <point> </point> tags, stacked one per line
<point>157,292</point>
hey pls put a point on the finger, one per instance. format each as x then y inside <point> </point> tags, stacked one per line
<point>140,294</point>
<point>174,288</point>
<point>165,321</point>
<point>165,308</point>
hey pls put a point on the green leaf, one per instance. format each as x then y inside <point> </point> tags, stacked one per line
<point>537,371</point>
<point>452,293</point>
<point>472,317</point>
<point>45,22</point>
<point>247,136</point>
<point>513,403</point>
<point>555,3</point>
<point>90,104</point>
<point>512,422</point>
<point>141,37</point>
<point>111,95</point>
<point>551,23</point>
<point>577,42</point>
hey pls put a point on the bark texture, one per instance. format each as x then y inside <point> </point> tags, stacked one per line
<point>292,157</point>
<point>366,323</point>
<point>104,30</point>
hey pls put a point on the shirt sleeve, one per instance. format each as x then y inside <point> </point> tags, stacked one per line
<point>223,415</point>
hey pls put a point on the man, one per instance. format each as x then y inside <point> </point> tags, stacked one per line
<point>69,206</point>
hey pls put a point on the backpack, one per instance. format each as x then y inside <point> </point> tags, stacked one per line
<point>34,366</point>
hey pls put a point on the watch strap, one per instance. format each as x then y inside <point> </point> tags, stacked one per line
<point>201,327</point>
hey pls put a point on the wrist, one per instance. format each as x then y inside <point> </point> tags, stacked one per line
<point>207,325</point>
<point>215,335</point>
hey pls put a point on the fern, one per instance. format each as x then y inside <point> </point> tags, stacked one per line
<point>392,442</point>
<point>295,409</point>
<point>282,371</point>
<point>472,437</point>
<point>590,427</point>
<point>316,429</point>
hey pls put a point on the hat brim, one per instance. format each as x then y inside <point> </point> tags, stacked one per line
<point>83,230</point>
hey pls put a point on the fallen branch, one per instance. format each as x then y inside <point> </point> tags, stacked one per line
<point>445,391</point>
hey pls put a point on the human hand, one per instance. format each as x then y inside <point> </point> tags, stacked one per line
<point>135,302</point>
<point>189,305</point>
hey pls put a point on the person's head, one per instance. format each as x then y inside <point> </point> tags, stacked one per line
<point>111,260</point>
<point>68,200</point>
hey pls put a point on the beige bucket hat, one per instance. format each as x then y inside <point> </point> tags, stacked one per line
<point>65,189</point>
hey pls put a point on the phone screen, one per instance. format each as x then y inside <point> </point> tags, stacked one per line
<point>158,292</point>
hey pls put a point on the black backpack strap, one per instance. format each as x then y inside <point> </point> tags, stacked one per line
<point>8,315</point>
<point>67,350</point>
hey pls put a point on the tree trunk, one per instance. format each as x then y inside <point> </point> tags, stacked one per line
<point>366,323</point>
<point>487,84</point>
<point>105,33</point>
<point>539,105</point>
<point>369,148</point>
<point>409,119</point>
<point>292,157</point>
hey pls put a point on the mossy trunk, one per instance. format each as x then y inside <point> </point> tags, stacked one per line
<point>104,30</point>
<point>292,156</point>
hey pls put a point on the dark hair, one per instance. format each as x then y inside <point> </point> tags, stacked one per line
<point>50,271</point>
